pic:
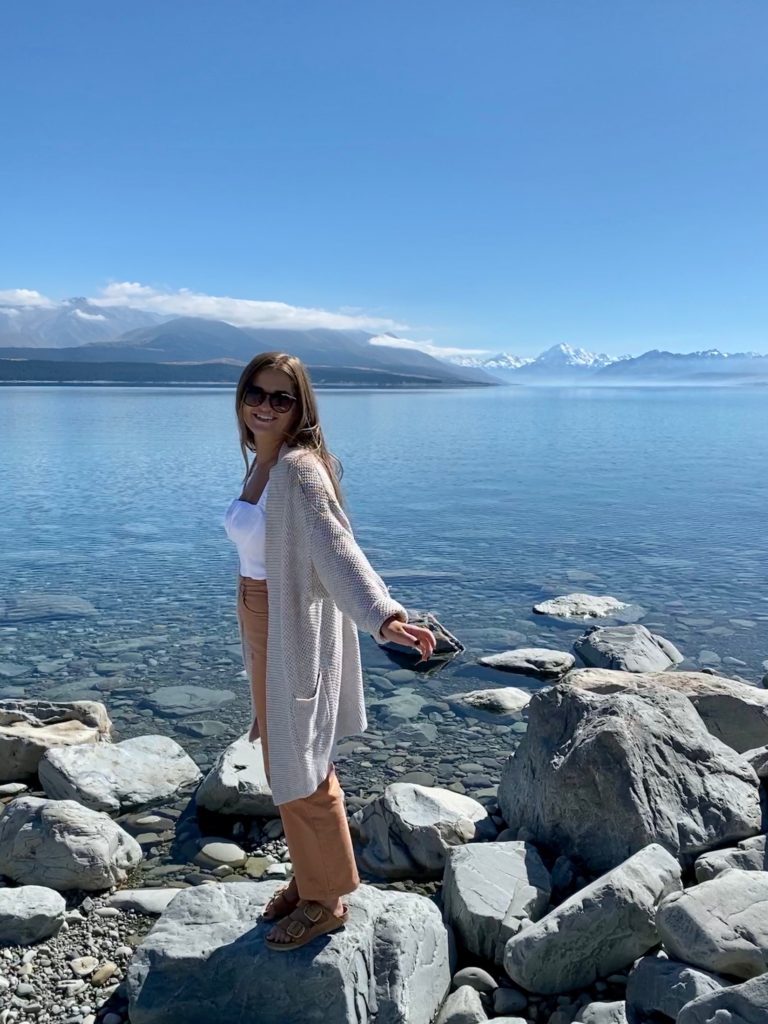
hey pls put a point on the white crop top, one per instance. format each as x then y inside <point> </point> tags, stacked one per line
<point>245,524</point>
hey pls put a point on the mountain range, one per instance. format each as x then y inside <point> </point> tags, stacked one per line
<point>563,364</point>
<point>54,342</point>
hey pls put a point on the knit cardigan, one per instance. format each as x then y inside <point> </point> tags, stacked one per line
<point>321,589</point>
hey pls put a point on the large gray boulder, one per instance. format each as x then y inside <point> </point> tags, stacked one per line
<point>658,985</point>
<point>630,647</point>
<point>206,954</point>
<point>407,831</point>
<point>489,890</point>
<point>749,855</point>
<point>647,756</point>
<point>719,925</point>
<point>740,1004</point>
<point>30,913</point>
<point>28,727</point>
<point>733,711</point>
<point>63,845</point>
<point>116,777</point>
<point>237,782</point>
<point>600,929</point>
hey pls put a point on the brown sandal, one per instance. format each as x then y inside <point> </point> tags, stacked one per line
<point>306,922</point>
<point>279,904</point>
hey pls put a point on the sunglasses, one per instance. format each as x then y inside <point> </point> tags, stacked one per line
<point>280,401</point>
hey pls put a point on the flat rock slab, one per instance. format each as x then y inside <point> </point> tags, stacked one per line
<point>489,889</point>
<point>647,755</point>
<point>143,901</point>
<point>28,727</point>
<point>179,701</point>
<point>115,777</point>
<point>597,931</point>
<point>632,648</point>
<point>733,711</point>
<point>720,925</point>
<point>534,661</point>
<point>237,782</point>
<point>740,1004</point>
<point>658,985</point>
<point>41,606</point>
<point>407,831</point>
<point>30,913</point>
<point>583,606</point>
<point>206,956</point>
<point>63,845</point>
<point>749,855</point>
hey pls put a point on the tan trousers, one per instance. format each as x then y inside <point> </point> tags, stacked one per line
<point>315,826</point>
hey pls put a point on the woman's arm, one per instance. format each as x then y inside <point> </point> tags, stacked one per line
<point>345,572</point>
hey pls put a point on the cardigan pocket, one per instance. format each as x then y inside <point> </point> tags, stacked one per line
<point>315,692</point>
<point>310,713</point>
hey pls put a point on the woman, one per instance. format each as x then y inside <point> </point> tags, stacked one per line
<point>304,588</point>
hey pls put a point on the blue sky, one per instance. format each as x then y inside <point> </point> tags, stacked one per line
<point>502,175</point>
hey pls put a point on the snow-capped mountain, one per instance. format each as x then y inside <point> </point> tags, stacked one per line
<point>564,364</point>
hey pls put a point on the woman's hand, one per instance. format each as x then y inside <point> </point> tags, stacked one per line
<point>409,635</point>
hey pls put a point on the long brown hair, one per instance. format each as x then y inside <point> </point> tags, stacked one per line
<point>307,432</point>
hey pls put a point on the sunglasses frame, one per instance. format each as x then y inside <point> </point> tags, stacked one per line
<point>271,395</point>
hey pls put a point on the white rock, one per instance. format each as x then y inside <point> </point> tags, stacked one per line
<point>582,606</point>
<point>114,777</point>
<point>488,889</point>
<point>29,727</point>
<point>602,1013</point>
<point>506,702</point>
<point>389,963</point>
<point>462,1007</point>
<point>61,844</point>
<point>237,782</point>
<point>143,901</point>
<point>407,831</point>
<point>733,711</point>
<point>719,925</point>
<point>597,931</point>
<point>221,852</point>
<point>29,913</point>
<point>536,661</point>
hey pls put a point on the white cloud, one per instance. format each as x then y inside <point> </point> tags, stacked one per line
<point>82,315</point>
<point>25,297</point>
<point>431,349</point>
<point>240,312</point>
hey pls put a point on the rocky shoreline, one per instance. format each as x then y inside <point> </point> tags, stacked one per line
<point>590,848</point>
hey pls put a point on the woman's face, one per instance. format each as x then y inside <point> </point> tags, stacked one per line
<point>263,419</point>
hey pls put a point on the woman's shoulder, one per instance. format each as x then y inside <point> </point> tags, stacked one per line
<point>307,470</point>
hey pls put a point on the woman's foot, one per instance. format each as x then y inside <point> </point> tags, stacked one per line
<point>283,901</point>
<point>279,932</point>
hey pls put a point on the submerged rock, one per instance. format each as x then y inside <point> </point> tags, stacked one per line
<point>533,661</point>
<point>582,606</point>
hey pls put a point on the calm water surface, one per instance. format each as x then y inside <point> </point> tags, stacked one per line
<point>473,504</point>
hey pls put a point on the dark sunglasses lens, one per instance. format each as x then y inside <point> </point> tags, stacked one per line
<point>281,402</point>
<point>253,396</point>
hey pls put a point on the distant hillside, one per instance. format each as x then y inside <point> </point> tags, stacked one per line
<point>198,340</point>
<point>55,371</point>
<point>73,322</point>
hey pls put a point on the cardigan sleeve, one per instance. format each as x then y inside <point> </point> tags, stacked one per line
<point>345,572</point>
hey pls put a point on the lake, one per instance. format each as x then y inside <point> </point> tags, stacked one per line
<point>473,504</point>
